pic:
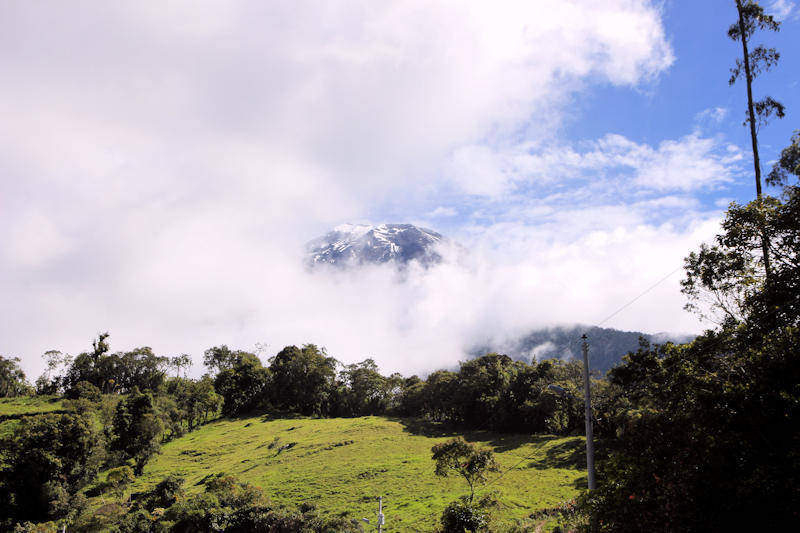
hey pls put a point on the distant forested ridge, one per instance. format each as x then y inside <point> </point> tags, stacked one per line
<point>607,345</point>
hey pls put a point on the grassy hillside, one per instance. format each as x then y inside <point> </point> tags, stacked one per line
<point>342,465</point>
<point>13,409</point>
<point>28,405</point>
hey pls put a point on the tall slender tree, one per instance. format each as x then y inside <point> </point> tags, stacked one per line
<point>753,63</point>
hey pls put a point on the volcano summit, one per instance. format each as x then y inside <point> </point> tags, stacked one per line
<point>359,244</point>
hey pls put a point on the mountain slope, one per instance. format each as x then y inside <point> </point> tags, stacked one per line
<point>358,244</point>
<point>341,465</point>
<point>606,345</point>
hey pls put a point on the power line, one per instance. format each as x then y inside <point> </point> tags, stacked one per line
<point>650,288</point>
<point>718,341</point>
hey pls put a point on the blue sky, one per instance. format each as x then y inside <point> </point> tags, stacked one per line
<point>697,82</point>
<point>691,95</point>
<point>162,165</point>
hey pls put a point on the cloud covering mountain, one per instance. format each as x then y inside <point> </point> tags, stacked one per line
<point>162,166</point>
<point>357,244</point>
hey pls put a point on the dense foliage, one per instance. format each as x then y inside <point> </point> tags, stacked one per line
<point>489,392</point>
<point>706,436</point>
<point>119,372</point>
<point>12,378</point>
<point>136,430</point>
<point>44,465</point>
<point>494,392</point>
<point>226,504</point>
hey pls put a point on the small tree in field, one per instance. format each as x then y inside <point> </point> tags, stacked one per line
<point>457,455</point>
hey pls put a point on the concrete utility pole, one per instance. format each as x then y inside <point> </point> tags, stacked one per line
<point>588,401</point>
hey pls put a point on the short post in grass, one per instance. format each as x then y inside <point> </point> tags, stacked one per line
<point>380,514</point>
<point>381,518</point>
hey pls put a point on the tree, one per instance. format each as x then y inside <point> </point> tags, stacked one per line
<point>690,432</point>
<point>457,455</point>
<point>195,400</point>
<point>168,491</point>
<point>788,164</point>
<point>45,463</point>
<point>12,378</point>
<point>243,386</point>
<point>303,379</point>
<point>86,391</point>
<point>462,515</point>
<point>437,396</point>
<point>362,390</point>
<point>726,276</point>
<point>220,358</point>
<point>137,429</point>
<point>50,382</point>
<point>751,18</point>
<point>482,391</point>
<point>118,372</point>
<point>183,360</point>
<point>140,368</point>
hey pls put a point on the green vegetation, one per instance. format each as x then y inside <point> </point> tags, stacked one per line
<point>50,458</point>
<point>706,436</point>
<point>29,405</point>
<point>12,378</point>
<point>342,465</point>
<point>12,410</point>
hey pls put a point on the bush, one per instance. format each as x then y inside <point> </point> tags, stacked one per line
<point>463,515</point>
<point>84,391</point>
<point>166,493</point>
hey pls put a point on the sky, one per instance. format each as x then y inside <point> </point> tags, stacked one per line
<point>162,165</point>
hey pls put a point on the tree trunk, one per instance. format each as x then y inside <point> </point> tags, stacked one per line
<point>753,136</point>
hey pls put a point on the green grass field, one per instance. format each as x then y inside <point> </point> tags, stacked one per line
<point>29,405</point>
<point>13,409</point>
<point>342,465</point>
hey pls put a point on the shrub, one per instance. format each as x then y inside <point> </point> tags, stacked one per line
<point>463,515</point>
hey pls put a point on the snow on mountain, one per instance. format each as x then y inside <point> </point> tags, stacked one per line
<point>357,244</point>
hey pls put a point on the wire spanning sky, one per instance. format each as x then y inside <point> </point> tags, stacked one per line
<point>163,163</point>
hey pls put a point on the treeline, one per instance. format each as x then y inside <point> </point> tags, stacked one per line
<point>121,406</point>
<point>492,392</point>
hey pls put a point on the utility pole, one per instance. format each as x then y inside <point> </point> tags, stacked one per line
<point>588,401</point>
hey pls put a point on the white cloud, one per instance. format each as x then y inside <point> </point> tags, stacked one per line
<point>623,166</point>
<point>162,167</point>
<point>35,241</point>
<point>781,9</point>
<point>713,115</point>
<point>442,211</point>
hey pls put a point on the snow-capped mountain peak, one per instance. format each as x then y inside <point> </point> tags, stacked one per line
<point>356,244</point>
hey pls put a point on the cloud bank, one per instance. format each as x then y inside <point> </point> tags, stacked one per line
<point>161,168</point>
